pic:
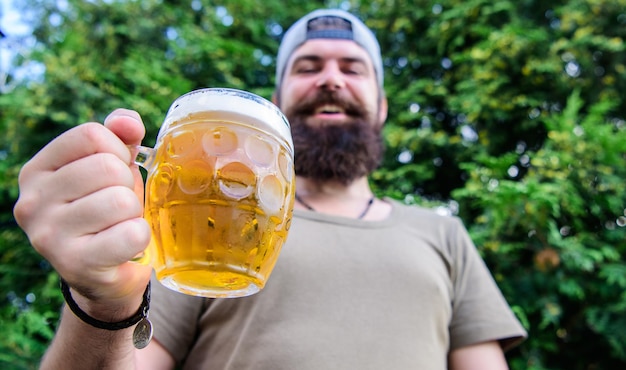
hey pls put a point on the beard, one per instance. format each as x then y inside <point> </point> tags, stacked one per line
<point>330,151</point>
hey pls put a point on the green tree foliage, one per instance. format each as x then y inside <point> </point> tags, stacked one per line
<point>510,114</point>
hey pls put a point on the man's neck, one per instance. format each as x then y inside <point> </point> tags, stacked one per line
<point>306,187</point>
<point>353,200</point>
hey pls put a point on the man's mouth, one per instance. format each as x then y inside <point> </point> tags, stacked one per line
<point>329,109</point>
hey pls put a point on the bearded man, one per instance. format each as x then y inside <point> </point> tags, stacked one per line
<point>361,283</point>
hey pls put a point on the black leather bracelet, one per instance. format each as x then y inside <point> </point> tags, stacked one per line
<point>138,316</point>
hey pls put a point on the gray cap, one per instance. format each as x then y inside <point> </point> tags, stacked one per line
<point>328,24</point>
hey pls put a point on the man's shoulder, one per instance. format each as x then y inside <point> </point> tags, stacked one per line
<point>439,214</point>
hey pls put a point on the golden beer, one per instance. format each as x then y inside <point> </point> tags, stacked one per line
<point>219,200</point>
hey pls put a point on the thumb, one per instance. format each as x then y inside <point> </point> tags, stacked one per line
<point>127,125</point>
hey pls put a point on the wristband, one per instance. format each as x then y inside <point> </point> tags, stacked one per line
<point>142,313</point>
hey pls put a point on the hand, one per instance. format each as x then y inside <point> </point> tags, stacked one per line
<point>80,204</point>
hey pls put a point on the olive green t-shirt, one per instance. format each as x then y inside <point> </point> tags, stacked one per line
<point>348,294</point>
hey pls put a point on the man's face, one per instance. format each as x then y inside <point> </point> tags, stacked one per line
<point>341,66</point>
<point>331,97</point>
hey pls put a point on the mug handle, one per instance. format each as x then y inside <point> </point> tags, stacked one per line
<point>143,156</point>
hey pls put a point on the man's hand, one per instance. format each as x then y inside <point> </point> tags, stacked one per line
<point>81,200</point>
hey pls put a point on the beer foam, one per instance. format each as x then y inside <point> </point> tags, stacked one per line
<point>244,106</point>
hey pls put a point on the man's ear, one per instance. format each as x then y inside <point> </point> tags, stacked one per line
<point>275,98</point>
<point>383,108</point>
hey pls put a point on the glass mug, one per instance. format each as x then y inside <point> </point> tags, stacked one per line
<point>219,193</point>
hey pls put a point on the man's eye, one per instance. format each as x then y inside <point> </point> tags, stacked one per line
<point>353,72</point>
<point>306,70</point>
<point>353,69</point>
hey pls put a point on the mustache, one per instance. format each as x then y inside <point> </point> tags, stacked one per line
<point>309,105</point>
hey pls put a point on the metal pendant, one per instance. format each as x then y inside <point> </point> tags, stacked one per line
<point>142,334</point>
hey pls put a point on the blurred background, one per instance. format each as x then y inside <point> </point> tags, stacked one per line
<point>508,114</point>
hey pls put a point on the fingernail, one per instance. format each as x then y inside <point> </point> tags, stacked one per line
<point>121,112</point>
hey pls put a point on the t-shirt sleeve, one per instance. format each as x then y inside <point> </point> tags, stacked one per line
<point>480,313</point>
<point>174,318</point>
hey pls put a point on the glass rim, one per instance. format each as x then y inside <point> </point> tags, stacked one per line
<point>267,107</point>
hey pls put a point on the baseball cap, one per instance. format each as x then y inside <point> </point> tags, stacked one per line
<point>329,24</point>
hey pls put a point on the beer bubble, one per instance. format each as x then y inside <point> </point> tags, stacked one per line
<point>249,230</point>
<point>286,166</point>
<point>243,231</point>
<point>259,150</point>
<point>270,194</point>
<point>180,143</point>
<point>219,141</point>
<point>194,177</point>
<point>236,180</point>
<point>161,183</point>
<point>251,257</point>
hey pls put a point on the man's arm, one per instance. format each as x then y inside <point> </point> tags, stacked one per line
<point>80,346</point>
<point>81,206</point>
<point>481,356</point>
<point>154,357</point>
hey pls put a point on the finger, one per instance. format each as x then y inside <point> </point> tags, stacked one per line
<point>114,246</point>
<point>59,226</point>
<point>76,143</point>
<point>45,191</point>
<point>99,211</point>
<point>99,267</point>
<point>127,125</point>
<point>87,175</point>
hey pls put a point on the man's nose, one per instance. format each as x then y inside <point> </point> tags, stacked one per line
<point>331,77</point>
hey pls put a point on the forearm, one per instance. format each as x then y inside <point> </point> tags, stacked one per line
<point>78,345</point>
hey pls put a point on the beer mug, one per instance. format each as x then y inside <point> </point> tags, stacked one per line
<point>219,193</point>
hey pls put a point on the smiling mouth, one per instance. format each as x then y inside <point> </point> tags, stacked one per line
<point>329,109</point>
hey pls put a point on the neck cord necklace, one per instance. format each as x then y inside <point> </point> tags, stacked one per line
<point>367,206</point>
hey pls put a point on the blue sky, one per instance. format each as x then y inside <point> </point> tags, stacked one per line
<point>11,23</point>
<point>16,40</point>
